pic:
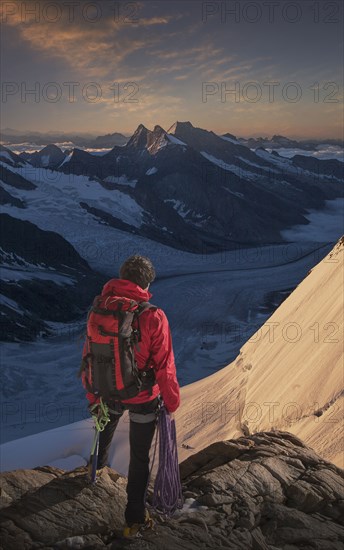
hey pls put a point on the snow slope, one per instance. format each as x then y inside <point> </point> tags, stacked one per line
<point>60,194</point>
<point>288,375</point>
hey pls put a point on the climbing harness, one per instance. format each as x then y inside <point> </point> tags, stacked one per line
<point>100,415</point>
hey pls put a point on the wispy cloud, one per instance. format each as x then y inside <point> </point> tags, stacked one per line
<point>94,50</point>
<point>168,52</point>
<point>146,22</point>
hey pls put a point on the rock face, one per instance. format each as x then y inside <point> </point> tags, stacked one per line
<point>266,492</point>
<point>50,156</point>
<point>8,157</point>
<point>43,279</point>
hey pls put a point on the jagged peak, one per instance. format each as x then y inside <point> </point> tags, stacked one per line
<point>156,140</point>
<point>140,128</point>
<point>139,137</point>
<point>159,131</point>
<point>152,140</point>
<point>179,126</point>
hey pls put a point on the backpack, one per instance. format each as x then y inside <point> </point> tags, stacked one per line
<point>109,369</point>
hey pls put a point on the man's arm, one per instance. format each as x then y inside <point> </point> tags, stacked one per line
<point>162,357</point>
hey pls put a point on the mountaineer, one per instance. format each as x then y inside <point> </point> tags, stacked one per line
<point>128,362</point>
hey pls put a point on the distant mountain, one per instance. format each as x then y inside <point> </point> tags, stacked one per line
<point>109,140</point>
<point>9,136</point>
<point>278,141</point>
<point>50,156</point>
<point>10,132</point>
<point>199,191</point>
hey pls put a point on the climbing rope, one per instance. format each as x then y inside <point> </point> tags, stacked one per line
<point>167,495</point>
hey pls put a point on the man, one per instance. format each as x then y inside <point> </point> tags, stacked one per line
<point>155,349</point>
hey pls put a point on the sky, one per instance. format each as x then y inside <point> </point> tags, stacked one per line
<point>251,68</point>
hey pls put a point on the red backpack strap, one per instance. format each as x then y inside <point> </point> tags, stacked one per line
<point>145,305</point>
<point>142,306</point>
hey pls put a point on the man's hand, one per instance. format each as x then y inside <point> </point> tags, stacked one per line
<point>171,415</point>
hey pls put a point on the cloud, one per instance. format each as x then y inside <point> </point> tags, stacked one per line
<point>90,49</point>
<point>146,22</point>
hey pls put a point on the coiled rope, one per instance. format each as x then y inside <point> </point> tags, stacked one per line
<point>167,495</point>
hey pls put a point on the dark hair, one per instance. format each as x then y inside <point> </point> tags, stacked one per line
<point>138,270</point>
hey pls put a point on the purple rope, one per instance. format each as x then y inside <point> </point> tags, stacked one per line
<point>167,496</point>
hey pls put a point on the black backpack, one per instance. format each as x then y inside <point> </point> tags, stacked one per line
<point>109,369</point>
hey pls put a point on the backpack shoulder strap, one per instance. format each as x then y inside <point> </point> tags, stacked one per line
<point>143,306</point>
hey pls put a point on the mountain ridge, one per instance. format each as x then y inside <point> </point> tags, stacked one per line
<point>275,373</point>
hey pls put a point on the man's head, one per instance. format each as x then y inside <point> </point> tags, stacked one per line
<point>138,270</point>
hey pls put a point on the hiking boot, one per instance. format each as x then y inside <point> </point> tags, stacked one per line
<point>137,529</point>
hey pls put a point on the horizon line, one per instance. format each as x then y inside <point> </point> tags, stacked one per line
<point>125,133</point>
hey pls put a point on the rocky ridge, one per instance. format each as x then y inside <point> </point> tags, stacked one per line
<point>268,491</point>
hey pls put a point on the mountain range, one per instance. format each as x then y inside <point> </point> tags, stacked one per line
<point>86,139</point>
<point>199,190</point>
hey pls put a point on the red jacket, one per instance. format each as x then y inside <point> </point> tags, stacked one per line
<point>156,341</point>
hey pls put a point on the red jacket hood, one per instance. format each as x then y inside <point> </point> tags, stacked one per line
<point>123,287</point>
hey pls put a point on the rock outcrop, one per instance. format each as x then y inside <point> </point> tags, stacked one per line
<point>268,491</point>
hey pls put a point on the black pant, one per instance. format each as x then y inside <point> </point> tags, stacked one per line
<point>140,439</point>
